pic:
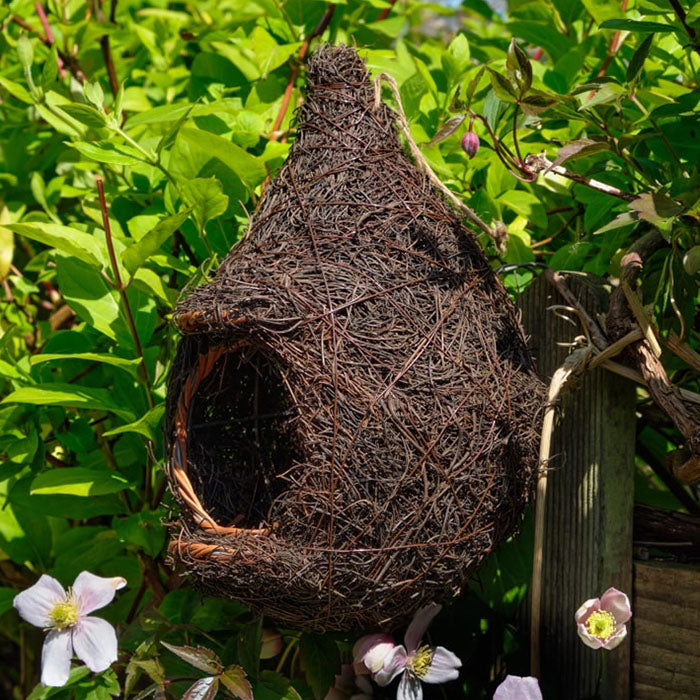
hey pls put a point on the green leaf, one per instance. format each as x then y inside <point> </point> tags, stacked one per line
<point>69,396</point>
<point>149,425</point>
<point>536,103</point>
<point>237,683</point>
<point>50,69</point>
<point>7,595</point>
<point>205,198</point>
<point>7,243</point>
<point>94,94</point>
<point>106,152</point>
<point>130,366</point>
<point>247,167</point>
<point>526,204</point>
<point>273,686</point>
<point>17,90</point>
<point>25,51</point>
<point>77,481</point>
<point>69,240</point>
<point>200,657</point>
<point>320,660</point>
<point>634,25</point>
<point>142,530</point>
<point>502,86</point>
<point>518,68</point>
<point>636,63</point>
<point>137,253</point>
<point>691,260</point>
<point>473,84</point>
<point>624,219</point>
<point>85,114</point>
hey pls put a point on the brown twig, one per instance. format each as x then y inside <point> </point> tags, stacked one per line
<point>612,49</point>
<point>121,288</point>
<point>294,74</point>
<point>106,47</point>
<point>70,61</point>
<point>385,12</point>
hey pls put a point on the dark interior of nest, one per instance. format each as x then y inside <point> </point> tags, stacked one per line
<point>240,438</point>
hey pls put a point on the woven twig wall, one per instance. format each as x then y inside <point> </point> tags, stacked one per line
<point>352,416</point>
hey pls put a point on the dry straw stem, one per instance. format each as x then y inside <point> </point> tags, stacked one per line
<point>498,232</point>
<point>353,414</point>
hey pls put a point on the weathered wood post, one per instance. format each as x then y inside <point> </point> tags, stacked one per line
<point>589,504</point>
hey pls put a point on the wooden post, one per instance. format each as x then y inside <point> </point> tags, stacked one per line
<point>589,504</point>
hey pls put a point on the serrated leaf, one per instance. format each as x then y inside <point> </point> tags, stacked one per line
<point>200,657</point>
<point>137,253</point>
<point>579,149</point>
<point>71,241</point>
<point>77,481</point>
<point>69,396</point>
<point>236,682</point>
<point>203,689</point>
<point>448,128</point>
<point>636,63</point>
<point>518,68</point>
<point>502,86</point>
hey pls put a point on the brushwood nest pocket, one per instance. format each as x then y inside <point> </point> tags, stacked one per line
<point>352,416</point>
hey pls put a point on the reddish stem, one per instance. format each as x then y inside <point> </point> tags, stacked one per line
<point>303,50</point>
<point>385,12</point>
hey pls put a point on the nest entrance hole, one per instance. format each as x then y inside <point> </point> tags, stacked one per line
<point>240,438</point>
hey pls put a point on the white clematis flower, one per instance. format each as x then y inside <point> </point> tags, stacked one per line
<point>418,664</point>
<point>65,614</point>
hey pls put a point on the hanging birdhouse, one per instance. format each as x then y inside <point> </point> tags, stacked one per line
<point>352,414</point>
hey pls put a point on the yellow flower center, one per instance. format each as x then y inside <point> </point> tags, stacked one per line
<point>601,624</point>
<point>64,614</point>
<point>419,663</point>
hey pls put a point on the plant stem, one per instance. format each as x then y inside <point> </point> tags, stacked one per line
<point>121,288</point>
<point>515,136</point>
<point>680,13</point>
<point>303,50</point>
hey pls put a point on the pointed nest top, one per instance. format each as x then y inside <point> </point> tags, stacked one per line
<point>352,417</point>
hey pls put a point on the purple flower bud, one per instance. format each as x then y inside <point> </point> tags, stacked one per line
<point>470,143</point>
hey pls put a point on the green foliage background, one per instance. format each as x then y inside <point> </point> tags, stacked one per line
<point>183,136</point>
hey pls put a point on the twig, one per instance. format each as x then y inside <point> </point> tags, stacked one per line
<point>539,162</point>
<point>498,232</point>
<point>106,48</point>
<point>385,12</point>
<point>615,44</point>
<point>70,61</point>
<point>121,288</point>
<point>49,34</point>
<point>303,50</point>
<point>680,13</point>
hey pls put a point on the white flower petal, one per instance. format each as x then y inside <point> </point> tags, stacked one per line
<point>409,689</point>
<point>591,605</point>
<point>55,657</point>
<point>443,667</point>
<point>587,638</point>
<point>617,603</point>
<point>92,592</point>
<point>35,604</point>
<point>95,643</point>
<point>419,624</point>
<point>394,663</point>
<point>615,638</point>
<point>517,688</point>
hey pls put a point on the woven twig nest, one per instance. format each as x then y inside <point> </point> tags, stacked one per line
<point>352,412</point>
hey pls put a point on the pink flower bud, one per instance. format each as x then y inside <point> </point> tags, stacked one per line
<point>271,643</point>
<point>470,143</point>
